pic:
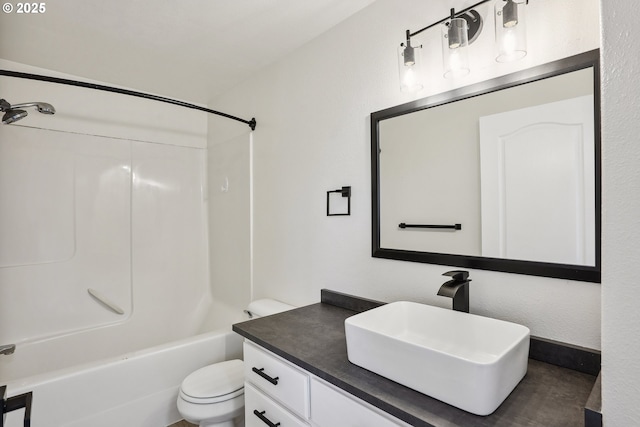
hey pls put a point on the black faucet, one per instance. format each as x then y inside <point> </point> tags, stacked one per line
<point>457,289</point>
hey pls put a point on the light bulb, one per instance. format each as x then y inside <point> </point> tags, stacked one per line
<point>511,32</point>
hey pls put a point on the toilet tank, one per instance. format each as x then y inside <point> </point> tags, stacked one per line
<point>266,307</point>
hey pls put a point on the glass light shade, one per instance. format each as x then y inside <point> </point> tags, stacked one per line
<point>410,67</point>
<point>455,44</point>
<point>511,31</point>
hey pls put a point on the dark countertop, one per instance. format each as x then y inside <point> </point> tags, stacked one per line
<point>313,338</point>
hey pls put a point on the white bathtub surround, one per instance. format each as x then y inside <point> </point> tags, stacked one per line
<point>229,193</point>
<point>115,201</point>
<point>143,244</point>
<point>65,203</point>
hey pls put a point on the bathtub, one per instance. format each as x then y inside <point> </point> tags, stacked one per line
<point>137,389</point>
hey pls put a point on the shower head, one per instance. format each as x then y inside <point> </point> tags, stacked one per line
<point>13,113</point>
<point>42,107</point>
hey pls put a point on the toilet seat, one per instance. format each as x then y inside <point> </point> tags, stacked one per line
<point>214,383</point>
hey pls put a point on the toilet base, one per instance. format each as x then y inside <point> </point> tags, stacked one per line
<point>221,414</point>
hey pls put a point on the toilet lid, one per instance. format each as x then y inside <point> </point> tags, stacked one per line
<point>214,383</point>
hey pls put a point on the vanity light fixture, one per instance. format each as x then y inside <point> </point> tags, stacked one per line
<point>455,41</point>
<point>410,66</point>
<point>511,34</point>
<point>459,30</point>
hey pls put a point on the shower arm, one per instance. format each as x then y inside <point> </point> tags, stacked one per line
<point>25,105</point>
<point>252,123</point>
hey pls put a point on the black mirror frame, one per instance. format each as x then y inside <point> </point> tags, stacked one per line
<point>544,269</point>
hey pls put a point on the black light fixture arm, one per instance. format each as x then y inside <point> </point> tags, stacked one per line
<point>252,123</point>
<point>452,15</point>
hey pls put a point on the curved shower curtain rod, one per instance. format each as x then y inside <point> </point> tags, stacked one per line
<point>252,123</point>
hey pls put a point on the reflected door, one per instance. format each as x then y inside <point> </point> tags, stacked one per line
<point>538,183</point>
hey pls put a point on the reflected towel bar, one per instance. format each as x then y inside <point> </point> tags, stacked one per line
<point>104,300</point>
<point>447,227</point>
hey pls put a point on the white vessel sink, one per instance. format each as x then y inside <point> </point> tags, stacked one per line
<point>468,361</point>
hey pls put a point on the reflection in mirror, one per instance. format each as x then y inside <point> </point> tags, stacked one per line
<point>514,161</point>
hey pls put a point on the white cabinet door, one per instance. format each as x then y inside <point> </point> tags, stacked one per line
<point>331,407</point>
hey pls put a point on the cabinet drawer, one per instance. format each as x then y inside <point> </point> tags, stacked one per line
<point>260,411</point>
<point>331,407</point>
<point>277,378</point>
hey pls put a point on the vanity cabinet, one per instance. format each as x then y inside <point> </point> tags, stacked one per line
<point>278,392</point>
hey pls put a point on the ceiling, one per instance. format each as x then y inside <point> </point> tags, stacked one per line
<point>186,49</point>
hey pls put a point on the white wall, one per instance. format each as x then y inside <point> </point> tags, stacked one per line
<point>313,135</point>
<point>621,214</point>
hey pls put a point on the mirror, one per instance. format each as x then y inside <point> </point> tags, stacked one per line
<point>502,175</point>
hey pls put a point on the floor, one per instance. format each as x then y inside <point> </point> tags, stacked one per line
<point>183,423</point>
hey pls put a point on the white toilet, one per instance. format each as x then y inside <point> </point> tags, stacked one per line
<point>213,396</point>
